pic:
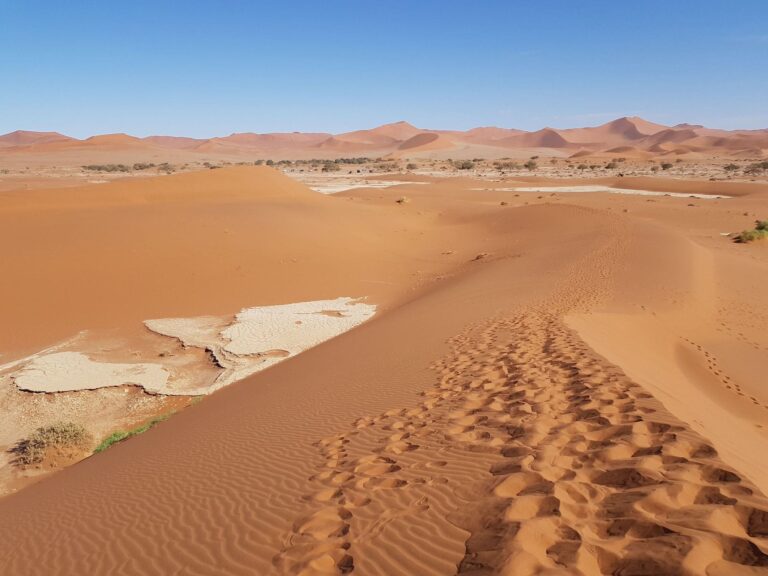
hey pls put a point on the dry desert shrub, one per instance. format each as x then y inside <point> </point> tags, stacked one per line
<point>61,437</point>
<point>506,165</point>
<point>759,232</point>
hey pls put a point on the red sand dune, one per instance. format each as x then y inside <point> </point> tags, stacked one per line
<point>23,138</point>
<point>618,131</point>
<point>646,137</point>
<point>175,142</point>
<point>556,384</point>
<point>545,138</point>
<point>425,141</point>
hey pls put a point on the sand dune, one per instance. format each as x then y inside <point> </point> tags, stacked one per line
<point>424,142</point>
<point>631,136</point>
<point>554,383</point>
<point>174,142</point>
<point>546,138</point>
<point>621,130</point>
<point>22,138</point>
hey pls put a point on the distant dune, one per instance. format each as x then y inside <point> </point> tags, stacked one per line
<point>23,138</point>
<point>638,137</point>
<point>546,138</point>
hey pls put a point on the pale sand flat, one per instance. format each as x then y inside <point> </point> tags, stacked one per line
<point>608,189</point>
<point>261,337</point>
<point>256,339</point>
<point>68,371</point>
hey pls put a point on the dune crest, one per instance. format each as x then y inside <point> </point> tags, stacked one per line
<point>632,137</point>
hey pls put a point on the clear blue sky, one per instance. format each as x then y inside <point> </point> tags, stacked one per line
<point>211,68</point>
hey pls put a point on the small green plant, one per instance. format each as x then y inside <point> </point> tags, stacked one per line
<point>59,437</point>
<point>121,435</point>
<point>759,232</point>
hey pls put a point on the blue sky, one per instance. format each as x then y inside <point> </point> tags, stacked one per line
<point>211,68</point>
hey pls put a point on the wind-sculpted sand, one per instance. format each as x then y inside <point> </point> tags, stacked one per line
<point>468,427</point>
<point>536,456</point>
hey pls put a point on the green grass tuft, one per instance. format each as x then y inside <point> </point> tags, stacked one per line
<point>759,232</point>
<point>121,435</point>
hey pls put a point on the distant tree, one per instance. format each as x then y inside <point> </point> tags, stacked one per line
<point>666,166</point>
<point>531,164</point>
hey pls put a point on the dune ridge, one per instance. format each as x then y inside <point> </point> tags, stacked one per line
<point>490,439</point>
<point>631,137</point>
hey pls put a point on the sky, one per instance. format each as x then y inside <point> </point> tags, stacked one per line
<point>211,68</point>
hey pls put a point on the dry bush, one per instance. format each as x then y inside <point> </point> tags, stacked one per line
<point>61,437</point>
<point>759,232</point>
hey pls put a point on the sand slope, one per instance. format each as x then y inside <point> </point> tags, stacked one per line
<point>466,429</point>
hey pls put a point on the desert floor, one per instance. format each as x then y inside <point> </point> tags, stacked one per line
<point>553,382</point>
